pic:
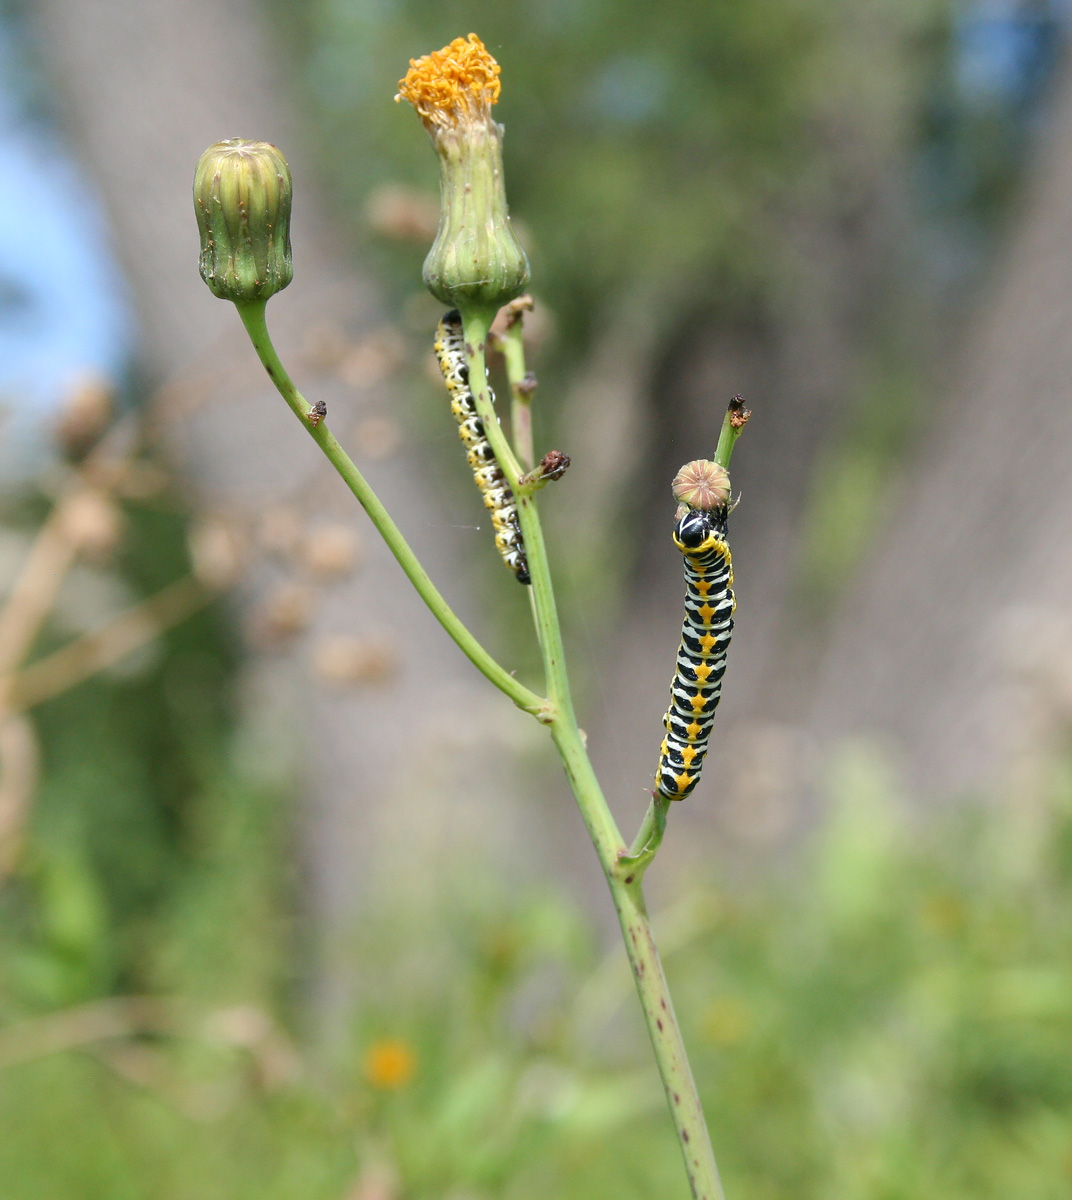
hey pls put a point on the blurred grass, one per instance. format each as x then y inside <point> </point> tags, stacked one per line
<point>890,1018</point>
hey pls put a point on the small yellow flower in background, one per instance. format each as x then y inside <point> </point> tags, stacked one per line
<point>390,1063</point>
<point>476,264</point>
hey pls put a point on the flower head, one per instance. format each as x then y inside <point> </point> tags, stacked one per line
<point>242,193</point>
<point>476,262</point>
<point>702,485</point>
<point>458,83</point>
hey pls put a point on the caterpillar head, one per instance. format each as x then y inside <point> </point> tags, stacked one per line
<point>698,530</point>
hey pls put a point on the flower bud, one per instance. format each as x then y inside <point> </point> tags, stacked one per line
<point>475,261</point>
<point>702,485</point>
<point>242,193</point>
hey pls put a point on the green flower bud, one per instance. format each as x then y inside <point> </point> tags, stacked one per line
<point>475,261</point>
<point>242,193</point>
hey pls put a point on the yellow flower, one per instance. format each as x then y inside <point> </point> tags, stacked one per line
<point>390,1063</point>
<point>476,264</point>
<point>458,83</point>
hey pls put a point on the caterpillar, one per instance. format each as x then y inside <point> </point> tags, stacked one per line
<point>700,535</point>
<point>498,498</point>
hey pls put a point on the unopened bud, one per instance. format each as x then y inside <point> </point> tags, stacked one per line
<point>703,485</point>
<point>242,194</point>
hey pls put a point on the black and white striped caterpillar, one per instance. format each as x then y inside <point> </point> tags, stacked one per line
<point>498,498</point>
<point>700,535</point>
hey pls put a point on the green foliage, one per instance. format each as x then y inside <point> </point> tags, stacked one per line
<point>891,1020</point>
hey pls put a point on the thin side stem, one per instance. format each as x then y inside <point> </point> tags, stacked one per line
<point>733,424</point>
<point>252,315</point>
<point>667,1043</point>
<point>513,349</point>
<point>513,352</point>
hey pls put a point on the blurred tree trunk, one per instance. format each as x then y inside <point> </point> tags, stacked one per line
<point>393,767</point>
<point>955,649</point>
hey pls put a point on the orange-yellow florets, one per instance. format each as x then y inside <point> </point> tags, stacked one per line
<point>459,82</point>
<point>390,1063</point>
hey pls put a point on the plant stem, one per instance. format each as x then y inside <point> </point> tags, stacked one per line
<point>625,887</point>
<point>513,349</point>
<point>252,314</point>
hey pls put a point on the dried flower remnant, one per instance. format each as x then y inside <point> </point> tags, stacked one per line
<point>550,468</point>
<point>475,261</point>
<point>738,413</point>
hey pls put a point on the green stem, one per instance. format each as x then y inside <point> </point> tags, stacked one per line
<point>732,428</point>
<point>670,1057</point>
<point>649,836</point>
<point>513,348</point>
<point>681,1095</point>
<point>252,314</point>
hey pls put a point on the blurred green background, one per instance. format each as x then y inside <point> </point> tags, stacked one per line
<point>879,1003</point>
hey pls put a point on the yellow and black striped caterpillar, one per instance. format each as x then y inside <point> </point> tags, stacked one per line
<point>498,498</point>
<point>700,535</point>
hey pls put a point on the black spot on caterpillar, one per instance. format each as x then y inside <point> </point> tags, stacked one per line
<point>701,658</point>
<point>498,498</point>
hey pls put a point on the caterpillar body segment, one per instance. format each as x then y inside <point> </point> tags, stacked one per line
<point>701,658</point>
<point>498,497</point>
